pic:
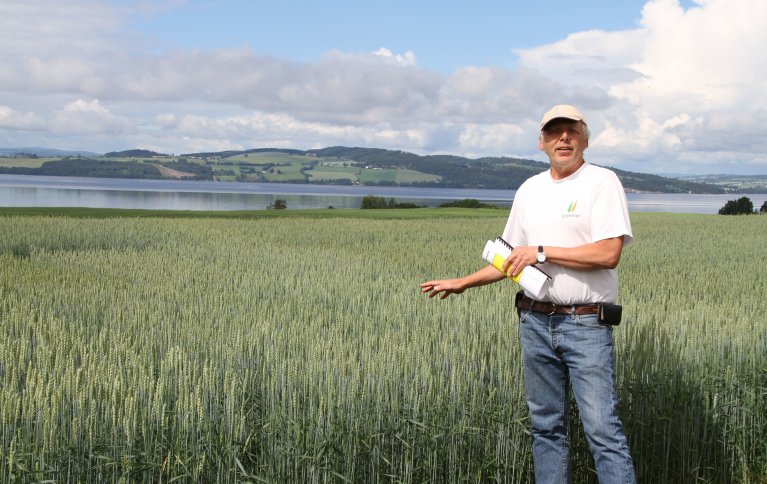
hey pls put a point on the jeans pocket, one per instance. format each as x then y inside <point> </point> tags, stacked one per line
<point>523,316</point>
<point>590,321</point>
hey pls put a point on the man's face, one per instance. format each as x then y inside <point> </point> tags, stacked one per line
<point>564,141</point>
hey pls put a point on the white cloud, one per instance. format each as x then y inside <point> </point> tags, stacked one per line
<point>482,139</point>
<point>282,130</point>
<point>39,28</point>
<point>88,117</point>
<point>14,120</point>
<point>492,95</point>
<point>339,88</point>
<point>593,58</point>
<point>669,81</point>
<point>406,59</point>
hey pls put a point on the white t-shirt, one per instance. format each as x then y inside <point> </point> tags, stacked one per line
<point>588,206</point>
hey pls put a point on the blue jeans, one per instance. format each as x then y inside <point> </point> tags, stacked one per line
<point>558,351</point>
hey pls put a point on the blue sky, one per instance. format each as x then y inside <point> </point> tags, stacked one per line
<point>667,86</point>
<point>444,35</point>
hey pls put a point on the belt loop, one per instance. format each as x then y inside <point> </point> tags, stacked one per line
<point>573,312</point>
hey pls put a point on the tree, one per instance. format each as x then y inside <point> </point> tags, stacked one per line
<point>468,203</point>
<point>764,207</point>
<point>741,206</point>
<point>279,204</point>
<point>372,201</point>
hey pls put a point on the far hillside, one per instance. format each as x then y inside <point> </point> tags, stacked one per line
<point>132,154</point>
<point>109,168</point>
<point>338,165</point>
<point>732,183</point>
<point>374,166</point>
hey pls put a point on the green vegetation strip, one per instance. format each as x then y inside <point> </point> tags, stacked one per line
<point>414,213</point>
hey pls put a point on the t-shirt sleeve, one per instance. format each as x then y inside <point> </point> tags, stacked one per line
<point>513,232</point>
<point>610,216</point>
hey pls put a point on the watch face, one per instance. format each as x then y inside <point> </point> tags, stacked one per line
<point>541,258</point>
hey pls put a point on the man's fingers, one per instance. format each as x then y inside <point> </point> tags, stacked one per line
<point>434,288</point>
<point>427,286</point>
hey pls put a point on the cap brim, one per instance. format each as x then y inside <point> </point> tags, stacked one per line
<point>548,122</point>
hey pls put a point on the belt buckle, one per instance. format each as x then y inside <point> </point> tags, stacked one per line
<point>553,309</point>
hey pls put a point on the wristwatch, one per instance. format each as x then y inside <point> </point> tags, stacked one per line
<point>541,258</point>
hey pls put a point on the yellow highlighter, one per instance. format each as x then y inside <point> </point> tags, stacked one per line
<point>531,279</point>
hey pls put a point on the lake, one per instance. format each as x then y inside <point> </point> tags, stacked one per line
<point>51,191</point>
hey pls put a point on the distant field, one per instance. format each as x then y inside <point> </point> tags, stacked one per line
<point>334,173</point>
<point>23,162</point>
<point>368,175</point>
<point>286,173</point>
<point>398,176</point>
<point>737,182</point>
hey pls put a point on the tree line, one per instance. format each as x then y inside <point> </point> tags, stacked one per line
<point>741,206</point>
<point>88,167</point>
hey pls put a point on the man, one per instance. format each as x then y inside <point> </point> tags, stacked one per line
<point>573,221</point>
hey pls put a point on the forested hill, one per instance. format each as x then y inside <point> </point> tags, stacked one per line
<point>132,154</point>
<point>495,172</point>
<point>333,165</point>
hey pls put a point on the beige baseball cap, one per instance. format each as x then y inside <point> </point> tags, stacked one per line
<point>562,111</point>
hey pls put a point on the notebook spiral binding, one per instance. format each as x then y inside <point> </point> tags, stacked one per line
<point>508,245</point>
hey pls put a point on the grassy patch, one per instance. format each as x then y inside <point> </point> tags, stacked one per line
<point>334,173</point>
<point>395,176</point>
<point>23,162</point>
<point>285,173</point>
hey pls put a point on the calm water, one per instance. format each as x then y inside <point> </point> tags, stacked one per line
<point>45,191</point>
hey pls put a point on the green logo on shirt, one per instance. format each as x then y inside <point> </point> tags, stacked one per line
<point>571,211</point>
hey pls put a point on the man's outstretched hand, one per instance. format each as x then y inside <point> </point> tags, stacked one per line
<point>442,287</point>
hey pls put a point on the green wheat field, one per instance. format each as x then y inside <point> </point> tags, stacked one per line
<point>300,349</point>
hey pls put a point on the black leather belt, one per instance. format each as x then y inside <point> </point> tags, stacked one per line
<point>525,303</point>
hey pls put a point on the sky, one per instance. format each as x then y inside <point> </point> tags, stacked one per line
<point>666,86</point>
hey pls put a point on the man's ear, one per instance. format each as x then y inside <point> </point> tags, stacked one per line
<point>540,142</point>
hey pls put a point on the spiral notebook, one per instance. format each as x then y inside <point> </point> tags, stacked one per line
<point>531,279</point>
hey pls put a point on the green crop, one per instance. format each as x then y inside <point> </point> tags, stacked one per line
<point>301,350</point>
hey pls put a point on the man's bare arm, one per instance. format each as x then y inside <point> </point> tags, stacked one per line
<point>603,254</point>
<point>446,287</point>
